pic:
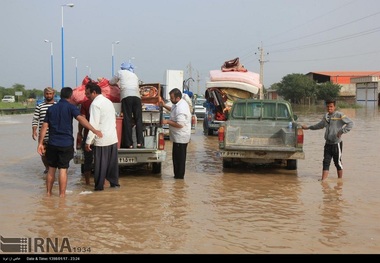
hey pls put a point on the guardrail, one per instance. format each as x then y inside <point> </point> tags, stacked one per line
<point>16,111</point>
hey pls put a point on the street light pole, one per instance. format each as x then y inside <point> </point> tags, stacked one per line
<point>62,44</point>
<point>76,71</point>
<point>113,61</point>
<point>51,61</point>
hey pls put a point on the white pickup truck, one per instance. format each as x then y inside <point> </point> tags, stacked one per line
<point>154,152</point>
<point>261,132</point>
<point>8,98</point>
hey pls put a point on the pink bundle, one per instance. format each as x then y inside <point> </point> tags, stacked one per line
<point>110,92</point>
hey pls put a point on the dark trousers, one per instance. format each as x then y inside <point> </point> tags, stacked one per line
<point>333,151</point>
<point>88,157</point>
<point>132,110</point>
<point>179,159</point>
<point>105,166</point>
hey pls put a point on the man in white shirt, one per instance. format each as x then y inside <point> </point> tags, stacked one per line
<point>103,117</point>
<point>180,131</point>
<point>130,104</point>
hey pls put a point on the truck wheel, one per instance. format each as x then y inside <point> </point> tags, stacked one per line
<point>227,164</point>
<point>291,164</point>
<point>210,132</point>
<point>156,168</point>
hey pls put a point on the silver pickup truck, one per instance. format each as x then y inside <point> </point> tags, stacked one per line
<point>153,153</point>
<point>261,132</point>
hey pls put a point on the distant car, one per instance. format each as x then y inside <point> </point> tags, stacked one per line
<point>8,98</point>
<point>199,108</point>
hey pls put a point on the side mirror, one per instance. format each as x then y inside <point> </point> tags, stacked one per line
<point>295,117</point>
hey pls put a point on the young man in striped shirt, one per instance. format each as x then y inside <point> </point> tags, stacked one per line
<point>38,119</point>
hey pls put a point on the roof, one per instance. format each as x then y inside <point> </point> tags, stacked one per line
<point>346,73</point>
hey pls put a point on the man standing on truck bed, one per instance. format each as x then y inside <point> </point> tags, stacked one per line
<point>336,123</point>
<point>130,104</point>
<point>180,130</point>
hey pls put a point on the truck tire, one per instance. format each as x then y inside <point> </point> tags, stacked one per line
<point>227,164</point>
<point>291,164</point>
<point>210,132</point>
<point>156,168</point>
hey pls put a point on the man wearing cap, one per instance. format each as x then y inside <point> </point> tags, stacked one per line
<point>130,104</point>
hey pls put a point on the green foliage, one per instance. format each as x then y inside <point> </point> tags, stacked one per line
<point>296,87</point>
<point>299,88</point>
<point>328,90</point>
<point>26,94</point>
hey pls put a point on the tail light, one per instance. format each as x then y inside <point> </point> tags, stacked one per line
<point>193,121</point>
<point>221,136</point>
<point>161,141</point>
<point>299,137</point>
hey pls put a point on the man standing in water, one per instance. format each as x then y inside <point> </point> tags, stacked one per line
<point>38,120</point>
<point>103,117</point>
<point>180,130</point>
<point>336,123</point>
<point>60,147</point>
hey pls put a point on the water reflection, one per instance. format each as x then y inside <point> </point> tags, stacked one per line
<point>332,212</point>
<point>250,209</point>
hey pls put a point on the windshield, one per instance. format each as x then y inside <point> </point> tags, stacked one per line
<point>200,101</point>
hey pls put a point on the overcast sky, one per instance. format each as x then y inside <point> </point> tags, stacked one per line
<point>196,36</point>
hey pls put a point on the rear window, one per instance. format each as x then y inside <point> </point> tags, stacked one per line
<point>259,110</point>
<point>199,102</point>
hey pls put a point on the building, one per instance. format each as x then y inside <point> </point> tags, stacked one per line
<point>354,84</point>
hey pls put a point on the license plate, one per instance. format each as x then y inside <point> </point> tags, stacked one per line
<point>127,160</point>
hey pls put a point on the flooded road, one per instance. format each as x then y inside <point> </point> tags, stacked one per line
<point>247,210</point>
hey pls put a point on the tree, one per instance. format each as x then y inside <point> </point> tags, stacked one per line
<point>328,90</point>
<point>296,88</point>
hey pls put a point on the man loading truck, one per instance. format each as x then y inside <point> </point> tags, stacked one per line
<point>130,104</point>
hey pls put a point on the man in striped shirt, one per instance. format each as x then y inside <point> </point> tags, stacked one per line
<point>38,119</point>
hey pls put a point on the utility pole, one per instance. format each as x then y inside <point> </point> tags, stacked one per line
<point>198,81</point>
<point>190,70</point>
<point>262,61</point>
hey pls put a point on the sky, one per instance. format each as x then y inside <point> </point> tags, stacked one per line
<point>196,36</point>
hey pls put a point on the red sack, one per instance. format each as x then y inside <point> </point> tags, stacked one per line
<point>220,116</point>
<point>108,91</point>
<point>78,94</point>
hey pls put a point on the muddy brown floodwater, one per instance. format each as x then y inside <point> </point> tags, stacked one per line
<point>247,210</point>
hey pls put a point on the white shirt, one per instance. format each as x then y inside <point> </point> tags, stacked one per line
<point>180,113</point>
<point>103,118</point>
<point>129,83</point>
